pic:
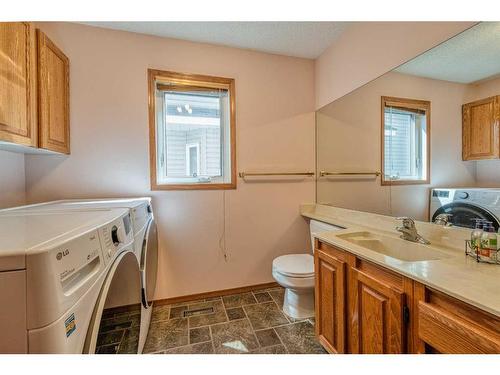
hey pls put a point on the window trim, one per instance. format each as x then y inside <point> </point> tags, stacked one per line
<point>190,80</point>
<point>421,105</point>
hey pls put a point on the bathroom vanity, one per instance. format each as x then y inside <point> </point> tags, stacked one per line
<point>376,293</point>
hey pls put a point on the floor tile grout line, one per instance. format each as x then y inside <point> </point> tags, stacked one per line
<point>251,326</point>
<point>282,343</point>
<point>212,338</point>
<point>182,346</point>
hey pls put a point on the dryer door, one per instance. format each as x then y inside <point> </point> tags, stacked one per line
<point>464,213</point>
<point>115,323</point>
<point>149,264</point>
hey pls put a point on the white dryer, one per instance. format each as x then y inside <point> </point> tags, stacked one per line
<point>145,242</point>
<point>59,273</point>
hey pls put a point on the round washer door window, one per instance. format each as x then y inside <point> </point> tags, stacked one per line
<point>115,324</point>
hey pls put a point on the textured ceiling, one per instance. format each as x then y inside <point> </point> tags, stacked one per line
<point>471,56</point>
<point>299,39</point>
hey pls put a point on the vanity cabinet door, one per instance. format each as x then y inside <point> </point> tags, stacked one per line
<point>53,96</point>
<point>377,325</point>
<point>480,129</point>
<point>18,122</point>
<point>330,301</point>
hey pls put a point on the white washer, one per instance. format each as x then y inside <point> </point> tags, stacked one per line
<point>145,242</point>
<point>466,204</point>
<point>59,271</point>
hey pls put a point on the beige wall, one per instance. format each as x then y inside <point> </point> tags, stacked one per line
<point>366,50</point>
<point>12,179</point>
<point>109,152</point>
<point>349,139</point>
<point>275,104</point>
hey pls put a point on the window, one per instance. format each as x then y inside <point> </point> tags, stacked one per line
<point>406,141</point>
<point>192,131</point>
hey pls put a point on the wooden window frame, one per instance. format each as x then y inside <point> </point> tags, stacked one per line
<point>423,105</point>
<point>191,80</point>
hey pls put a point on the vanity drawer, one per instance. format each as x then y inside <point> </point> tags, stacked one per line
<point>330,250</point>
<point>447,325</point>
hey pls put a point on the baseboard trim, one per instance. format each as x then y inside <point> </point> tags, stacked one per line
<point>216,293</point>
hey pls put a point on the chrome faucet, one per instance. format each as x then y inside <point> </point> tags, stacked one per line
<point>443,219</point>
<point>409,231</point>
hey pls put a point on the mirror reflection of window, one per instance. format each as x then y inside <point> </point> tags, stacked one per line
<point>405,155</point>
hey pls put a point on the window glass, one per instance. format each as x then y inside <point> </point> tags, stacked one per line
<point>405,143</point>
<point>194,135</point>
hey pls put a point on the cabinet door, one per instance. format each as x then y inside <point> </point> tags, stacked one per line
<point>480,137</point>
<point>53,96</point>
<point>18,83</point>
<point>377,316</point>
<point>330,302</point>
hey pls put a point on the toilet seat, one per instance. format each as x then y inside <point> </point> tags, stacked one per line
<point>294,265</point>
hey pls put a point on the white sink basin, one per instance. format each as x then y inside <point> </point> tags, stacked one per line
<point>394,247</point>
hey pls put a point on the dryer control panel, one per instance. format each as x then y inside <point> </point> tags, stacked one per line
<point>141,216</point>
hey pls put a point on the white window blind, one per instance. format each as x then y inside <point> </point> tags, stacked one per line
<point>404,144</point>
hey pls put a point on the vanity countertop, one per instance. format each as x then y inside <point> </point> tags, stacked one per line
<point>457,275</point>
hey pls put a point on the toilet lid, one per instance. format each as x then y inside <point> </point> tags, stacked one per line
<point>295,265</point>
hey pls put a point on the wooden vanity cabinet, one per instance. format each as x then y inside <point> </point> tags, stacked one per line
<point>34,91</point>
<point>360,307</point>
<point>330,300</point>
<point>18,106</point>
<point>447,325</point>
<point>378,315</point>
<point>480,129</point>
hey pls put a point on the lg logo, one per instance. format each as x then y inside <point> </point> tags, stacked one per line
<point>61,254</point>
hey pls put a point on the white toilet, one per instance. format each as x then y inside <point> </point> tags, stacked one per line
<point>295,273</point>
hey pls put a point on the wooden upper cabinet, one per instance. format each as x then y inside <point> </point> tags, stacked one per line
<point>330,301</point>
<point>480,133</point>
<point>18,121</point>
<point>53,96</point>
<point>377,324</point>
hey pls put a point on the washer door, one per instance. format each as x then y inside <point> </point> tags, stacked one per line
<point>464,213</point>
<point>115,323</point>
<point>149,264</point>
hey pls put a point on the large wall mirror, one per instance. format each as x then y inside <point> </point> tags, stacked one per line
<point>428,127</point>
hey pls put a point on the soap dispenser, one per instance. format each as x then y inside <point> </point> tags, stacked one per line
<point>488,242</point>
<point>476,234</point>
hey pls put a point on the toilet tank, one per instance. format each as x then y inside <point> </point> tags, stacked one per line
<point>318,227</point>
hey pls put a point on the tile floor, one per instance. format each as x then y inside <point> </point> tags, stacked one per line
<point>242,323</point>
<point>119,331</point>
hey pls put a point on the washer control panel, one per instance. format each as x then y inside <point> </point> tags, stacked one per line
<point>114,235</point>
<point>77,259</point>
